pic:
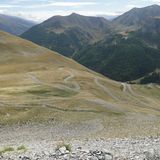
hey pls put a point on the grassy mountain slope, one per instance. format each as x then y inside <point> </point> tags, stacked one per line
<point>67,34</point>
<point>14,25</point>
<point>38,85</point>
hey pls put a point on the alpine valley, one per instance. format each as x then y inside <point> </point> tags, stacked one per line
<point>80,88</point>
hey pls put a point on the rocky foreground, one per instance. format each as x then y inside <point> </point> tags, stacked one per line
<point>89,149</point>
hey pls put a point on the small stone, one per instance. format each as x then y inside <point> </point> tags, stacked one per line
<point>26,158</point>
<point>45,153</point>
<point>108,156</point>
<point>63,150</point>
<point>79,148</point>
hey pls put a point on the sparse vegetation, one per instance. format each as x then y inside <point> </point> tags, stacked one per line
<point>22,148</point>
<point>121,87</point>
<point>50,91</point>
<point>6,149</point>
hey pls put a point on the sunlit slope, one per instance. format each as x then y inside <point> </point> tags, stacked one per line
<point>38,85</point>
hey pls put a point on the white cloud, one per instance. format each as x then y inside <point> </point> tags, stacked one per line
<point>155,1</point>
<point>22,1</point>
<point>62,4</point>
<point>2,11</point>
<point>130,6</point>
<point>8,6</point>
<point>72,4</point>
<point>94,13</point>
<point>152,1</point>
<point>40,16</point>
<point>39,10</point>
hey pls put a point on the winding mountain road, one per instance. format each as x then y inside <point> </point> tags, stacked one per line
<point>107,105</point>
<point>68,79</point>
<point>127,89</point>
<point>34,78</point>
<point>124,87</point>
<point>105,89</point>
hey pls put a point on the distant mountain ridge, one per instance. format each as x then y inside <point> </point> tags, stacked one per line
<point>68,34</point>
<point>14,25</point>
<point>137,17</point>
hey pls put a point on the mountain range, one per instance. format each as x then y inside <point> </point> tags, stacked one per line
<point>14,25</point>
<point>137,17</point>
<point>125,49</point>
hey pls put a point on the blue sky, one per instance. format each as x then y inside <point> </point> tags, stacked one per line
<point>40,10</point>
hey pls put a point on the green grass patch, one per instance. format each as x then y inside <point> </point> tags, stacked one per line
<point>22,148</point>
<point>39,92</point>
<point>121,88</point>
<point>6,149</point>
<point>46,91</point>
